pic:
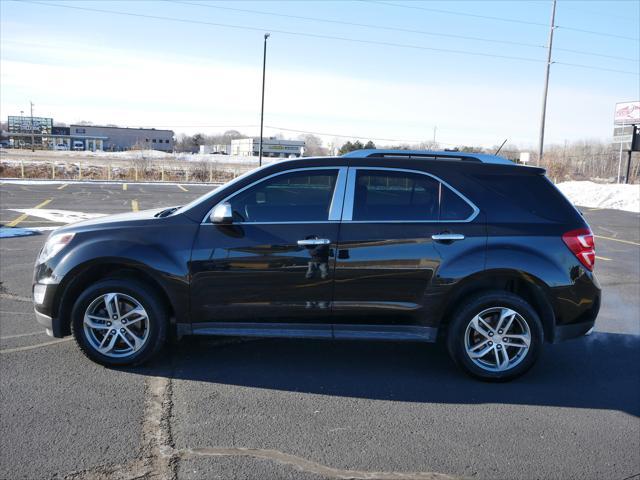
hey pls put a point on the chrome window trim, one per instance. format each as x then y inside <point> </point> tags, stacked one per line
<point>347,215</point>
<point>333,207</point>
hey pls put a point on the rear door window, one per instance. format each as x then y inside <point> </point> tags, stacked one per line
<point>387,195</point>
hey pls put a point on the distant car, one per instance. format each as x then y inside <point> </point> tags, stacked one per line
<point>61,147</point>
<point>470,249</point>
<point>78,145</point>
<point>4,144</point>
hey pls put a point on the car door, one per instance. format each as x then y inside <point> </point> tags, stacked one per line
<point>395,235</point>
<point>275,261</point>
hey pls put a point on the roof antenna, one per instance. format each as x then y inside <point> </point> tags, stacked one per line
<point>500,148</point>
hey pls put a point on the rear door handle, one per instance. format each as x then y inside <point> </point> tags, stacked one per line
<point>313,241</point>
<point>447,237</point>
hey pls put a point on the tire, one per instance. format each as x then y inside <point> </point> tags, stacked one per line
<point>130,295</point>
<point>474,330</point>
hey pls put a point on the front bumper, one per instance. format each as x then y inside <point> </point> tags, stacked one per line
<point>46,321</point>
<point>43,307</point>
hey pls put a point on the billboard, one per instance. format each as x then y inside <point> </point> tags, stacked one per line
<point>627,113</point>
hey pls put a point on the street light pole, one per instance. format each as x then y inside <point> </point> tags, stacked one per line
<point>546,82</point>
<point>33,147</point>
<point>264,67</point>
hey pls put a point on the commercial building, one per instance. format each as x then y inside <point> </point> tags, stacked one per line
<point>271,147</point>
<point>22,131</point>
<point>122,138</point>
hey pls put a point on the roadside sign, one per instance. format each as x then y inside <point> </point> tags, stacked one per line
<point>627,113</point>
<point>623,135</point>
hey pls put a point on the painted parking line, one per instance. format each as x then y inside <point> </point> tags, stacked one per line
<point>629,242</point>
<point>15,222</point>
<point>182,188</point>
<point>39,345</point>
<point>134,205</point>
<point>65,185</point>
<point>603,258</point>
<point>124,187</point>
<point>20,335</point>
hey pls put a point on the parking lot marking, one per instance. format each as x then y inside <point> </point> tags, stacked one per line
<point>124,187</point>
<point>182,188</point>
<point>6,337</point>
<point>31,347</point>
<point>15,222</point>
<point>603,258</point>
<point>134,205</point>
<point>65,185</point>
<point>618,240</point>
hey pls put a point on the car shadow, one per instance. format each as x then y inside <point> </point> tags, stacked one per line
<point>601,371</point>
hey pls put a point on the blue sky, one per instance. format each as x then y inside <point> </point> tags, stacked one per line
<point>129,70</point>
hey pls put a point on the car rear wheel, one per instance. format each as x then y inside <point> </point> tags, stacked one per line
<point>119,322</point>
<point>495,336</point>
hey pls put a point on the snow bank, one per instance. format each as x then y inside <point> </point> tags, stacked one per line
<point>597,195</point>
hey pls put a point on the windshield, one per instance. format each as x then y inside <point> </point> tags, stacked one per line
<point>206,196</point>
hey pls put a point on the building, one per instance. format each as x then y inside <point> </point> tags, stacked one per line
<point>123,138</point>
<point>23,130</point>
<point>219,148</point>
<point>271,147</point>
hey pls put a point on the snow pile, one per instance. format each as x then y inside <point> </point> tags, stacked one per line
<point>9,232</point>
<point>597,195</point>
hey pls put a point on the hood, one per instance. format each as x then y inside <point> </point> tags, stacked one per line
<point>113,221</point>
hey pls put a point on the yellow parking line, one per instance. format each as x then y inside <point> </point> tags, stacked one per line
<point>603,258</point>
<point>124,186</point>
<point>15,222</point>
<point>182,188</point>
<point>134,205</point>
<point>618,240</point>
<point>63,186</point>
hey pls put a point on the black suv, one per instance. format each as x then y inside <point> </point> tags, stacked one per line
<point>472,249</point>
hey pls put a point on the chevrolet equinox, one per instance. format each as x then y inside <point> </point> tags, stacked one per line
<point>470,249</point>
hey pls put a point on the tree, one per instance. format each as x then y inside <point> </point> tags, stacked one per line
<point>370,145</point>
<point>198,139</point>
<point>313,146</point>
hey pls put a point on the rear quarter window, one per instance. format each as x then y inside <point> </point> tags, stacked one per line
<point>532,193</point>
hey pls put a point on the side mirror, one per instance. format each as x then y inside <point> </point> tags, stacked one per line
<point>222,214</point>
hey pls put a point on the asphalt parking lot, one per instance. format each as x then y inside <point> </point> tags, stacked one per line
<point>300,409</point>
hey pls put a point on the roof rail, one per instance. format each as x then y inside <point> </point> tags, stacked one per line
<point>427,154</point>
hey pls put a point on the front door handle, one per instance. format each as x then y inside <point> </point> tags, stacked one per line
<point>447,237</point>
<point>310,242</point>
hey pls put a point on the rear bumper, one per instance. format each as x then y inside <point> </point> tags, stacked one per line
<point>566,332</point>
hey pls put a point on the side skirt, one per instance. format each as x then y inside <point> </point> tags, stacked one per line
<point>312,330</point>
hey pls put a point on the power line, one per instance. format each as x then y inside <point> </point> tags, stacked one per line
<point>315,35</point>
<point>500,19</point>
<point>395,29</point>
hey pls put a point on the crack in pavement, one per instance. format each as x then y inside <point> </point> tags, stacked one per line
<point>158,458</point>
<point>305,465</point>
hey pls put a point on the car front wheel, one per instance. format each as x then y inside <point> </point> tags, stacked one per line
<point>495,336</point>
<point>119,322</point>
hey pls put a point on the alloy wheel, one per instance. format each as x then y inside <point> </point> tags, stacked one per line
<point>497,339</point>
<point>116,325</point>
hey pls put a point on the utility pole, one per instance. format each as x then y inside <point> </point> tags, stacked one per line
<point>264,67</point>
<point>546,81</point>
<point>435,127</point>
<point>33,149</point>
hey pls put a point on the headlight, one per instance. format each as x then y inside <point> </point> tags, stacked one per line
<point>54,244</point>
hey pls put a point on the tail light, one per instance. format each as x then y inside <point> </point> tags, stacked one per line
<point>581,243</point>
